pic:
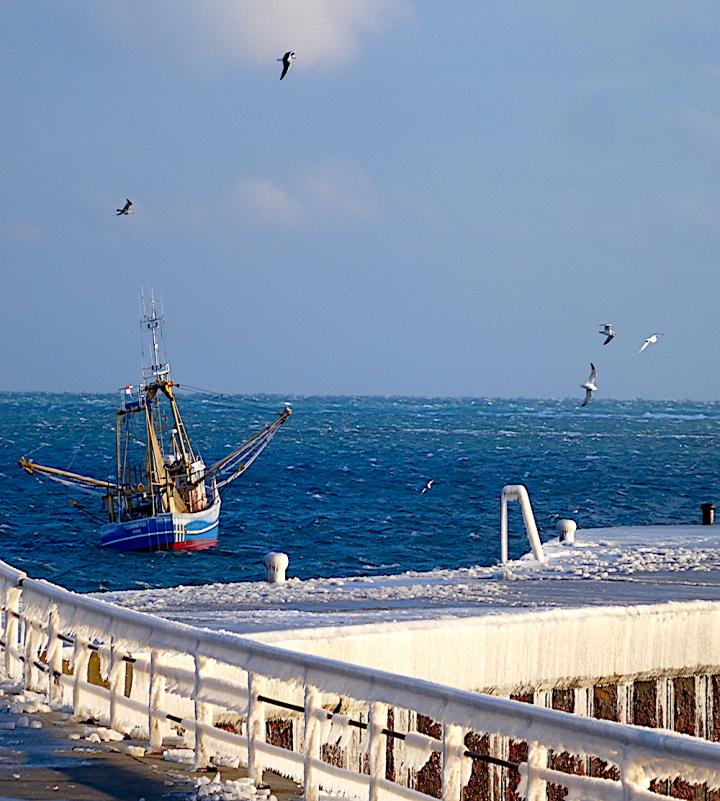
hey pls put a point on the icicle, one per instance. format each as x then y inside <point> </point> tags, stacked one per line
<point>340,731</point>
<point>364,742</point>
<point>466,768</point>
<point>417,749</point>
<point>325,725</point>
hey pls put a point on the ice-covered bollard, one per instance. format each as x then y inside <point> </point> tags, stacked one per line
<point>275,565</point>
<point>566,531</point>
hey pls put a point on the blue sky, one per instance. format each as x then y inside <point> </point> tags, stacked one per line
<point>437,200</point>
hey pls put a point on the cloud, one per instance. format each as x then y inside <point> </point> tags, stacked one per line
<point>23,231</point>
<point>328,192</point>
<point>340,191</point>
<point>322,32</point>
<point>270,201</point>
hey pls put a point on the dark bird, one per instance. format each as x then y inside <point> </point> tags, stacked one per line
<point>607,331</point>
<point>427,486</point>
<point>589,386</point>
<point>126,209</point>
<point>287,60</point>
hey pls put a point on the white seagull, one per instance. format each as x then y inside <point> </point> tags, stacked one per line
<point>427,486</point>
<point>287,59</point>
<point>651,340</point>
<point>606,330</point>
<point>589,386</point>
<point>126,209</point>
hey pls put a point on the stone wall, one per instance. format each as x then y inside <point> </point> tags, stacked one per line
<point>689,704</point>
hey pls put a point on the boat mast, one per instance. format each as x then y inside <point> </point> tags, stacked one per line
<point>156,377</point>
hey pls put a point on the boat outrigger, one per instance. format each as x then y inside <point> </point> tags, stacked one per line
<point>170,501</point>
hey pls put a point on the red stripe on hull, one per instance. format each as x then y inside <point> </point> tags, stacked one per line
<point>201,545</point>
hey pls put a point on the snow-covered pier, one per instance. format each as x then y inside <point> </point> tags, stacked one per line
<point>428,705</point>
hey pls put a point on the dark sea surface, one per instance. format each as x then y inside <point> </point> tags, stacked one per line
<point>338,489</point>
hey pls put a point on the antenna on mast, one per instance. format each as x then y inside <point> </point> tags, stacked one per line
<point>155,366</point>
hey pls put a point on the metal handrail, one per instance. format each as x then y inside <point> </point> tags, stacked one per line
<point>517,492</point>
<point>52,615</point>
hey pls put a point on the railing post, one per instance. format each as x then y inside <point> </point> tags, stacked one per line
<point>452,757</point>
<point>32,645</point>
<point>503,528</point>
<point>255,727</point>
<point>377,721</point>
<point>81,657</point>
<point>311,742</point>
<point>203,716</point>
<point>530,525</point>
<point>537,758</point>
<point>116,680</point>
<point>156,695</point>
<point>54,657</point>
<point>12,618</point>
<point>632,778</point>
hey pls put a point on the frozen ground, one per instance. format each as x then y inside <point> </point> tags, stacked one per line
<point>45,754</point>
<point>605,567</point>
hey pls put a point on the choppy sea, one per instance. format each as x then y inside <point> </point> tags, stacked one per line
<point>338,489</point>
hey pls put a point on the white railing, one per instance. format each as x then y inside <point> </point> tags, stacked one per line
<point>200,679</point>
<point>517,492</point>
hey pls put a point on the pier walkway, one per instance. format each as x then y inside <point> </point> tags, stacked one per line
<point>45,763</point>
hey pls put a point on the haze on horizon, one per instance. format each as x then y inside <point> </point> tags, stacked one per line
<point>431,203</point>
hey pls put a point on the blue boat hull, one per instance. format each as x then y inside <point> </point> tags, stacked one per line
<point>165,532</point>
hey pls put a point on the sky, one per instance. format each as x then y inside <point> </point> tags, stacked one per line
<point>438,199</point>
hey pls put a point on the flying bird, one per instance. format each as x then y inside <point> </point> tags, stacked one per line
<point>589,386</point>
<point>651,340</point>
<point>126,209</point>
<point>607,331</point>
<point>427,486</point>
<point>287,59</point>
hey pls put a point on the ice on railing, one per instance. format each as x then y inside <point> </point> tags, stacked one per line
<point>9,577</point>
<point>418,748</point>
<point>181,670</point>
<point>340,731</point>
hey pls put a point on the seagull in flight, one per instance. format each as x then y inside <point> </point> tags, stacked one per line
<point>125,210</point>
<point>651,340</point>
<point>287,59</point>
<point>589,386</point>
<point>607,331</point>
<point>427,486</point>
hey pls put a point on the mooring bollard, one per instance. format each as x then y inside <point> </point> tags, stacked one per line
<point>708,513</point>
<point>275,565</point>
<point>566,531</point>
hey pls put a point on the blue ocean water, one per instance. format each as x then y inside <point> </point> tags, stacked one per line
<point>338,489</point>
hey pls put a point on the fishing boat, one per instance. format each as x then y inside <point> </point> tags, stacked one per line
<point>167,500</point>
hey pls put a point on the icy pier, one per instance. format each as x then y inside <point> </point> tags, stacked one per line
<point>604,567</point>
<point>622,625</point>
<point>460,688</point>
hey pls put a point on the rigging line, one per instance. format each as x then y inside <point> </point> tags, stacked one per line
<point>267,432</point>
<point>129,429</point>
<point>236,399</point>
<point>77,450</point>
<point>94,518</point>
<point>41,445</point>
